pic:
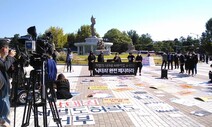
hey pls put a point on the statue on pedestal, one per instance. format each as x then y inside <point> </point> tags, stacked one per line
<point>131,48</point>
<point>100,45</point>
<point>93,22</point>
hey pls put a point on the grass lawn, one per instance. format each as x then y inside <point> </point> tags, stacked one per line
<point>83,59</point>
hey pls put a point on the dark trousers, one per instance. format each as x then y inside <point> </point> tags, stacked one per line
<point>181,68</point>
<point>68,66</point>
<point>170,62</point>
<point>210,75</point>
<point>176,65</point>
<point>139,67</point>
<point>191,71</point>
<point>163,64</point>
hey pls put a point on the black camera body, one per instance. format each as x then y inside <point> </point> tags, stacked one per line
<point>32,49</point>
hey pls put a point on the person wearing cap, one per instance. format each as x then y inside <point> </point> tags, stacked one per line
<point>6,60</point>
<point>139,59</point>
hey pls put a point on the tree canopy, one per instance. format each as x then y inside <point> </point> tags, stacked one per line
<point>119,39</point>
<point>206,39</point>
<point>59,39</point>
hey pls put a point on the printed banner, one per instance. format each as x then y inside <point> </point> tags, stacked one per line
<point>98,87</point>
<point>116,100</point>
<point>115,68</point>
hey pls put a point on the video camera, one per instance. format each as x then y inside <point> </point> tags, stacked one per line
<point>32,49</point>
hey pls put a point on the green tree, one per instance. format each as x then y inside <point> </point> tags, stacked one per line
<point>84,32</point>
<point>206,39</point>
<point>59,39</point>
<point>134,36</point>
<point>71,40</point>
<point>119,39</point>
<point>145,42</point>
<point>157,46</point>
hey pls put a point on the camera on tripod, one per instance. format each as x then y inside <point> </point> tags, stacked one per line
<point>39,86</point>
<point>33,48</point>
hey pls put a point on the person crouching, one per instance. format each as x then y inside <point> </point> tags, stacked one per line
<point>62,87</point>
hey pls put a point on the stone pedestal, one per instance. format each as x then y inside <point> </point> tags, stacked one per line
<point>90,44</point>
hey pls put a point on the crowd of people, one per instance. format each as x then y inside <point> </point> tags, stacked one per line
<point>187,63</point>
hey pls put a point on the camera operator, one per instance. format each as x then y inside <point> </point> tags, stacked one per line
<point>6,60</point>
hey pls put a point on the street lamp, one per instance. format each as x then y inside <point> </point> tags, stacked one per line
<point>196,35</point>
<point>197,48</point>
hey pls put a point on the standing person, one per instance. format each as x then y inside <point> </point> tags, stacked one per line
<point>206,58</point>
<point>101,57</point>
<point>139,59</point>
<point>176,61</point>
<point>164,60</point>
<point>210,74</point>
<point>182,63</point>
<point>91,60</point>
<point>54,56</point>
<point>69,58</point>
<point>130,57</point>
<point>63,87</point>
<point>170,60</point>
<point>51,74</point>
<point>117,58</point>
<point>195,57</point>
<point>190,61</point>
<point>6,60</point>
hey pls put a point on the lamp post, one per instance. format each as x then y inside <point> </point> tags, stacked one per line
<point>198,39</point>
<point>196,35</point>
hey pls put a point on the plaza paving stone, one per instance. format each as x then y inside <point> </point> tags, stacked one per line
<point>153,102</point>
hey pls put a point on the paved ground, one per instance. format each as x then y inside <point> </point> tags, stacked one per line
<point>134,101</point>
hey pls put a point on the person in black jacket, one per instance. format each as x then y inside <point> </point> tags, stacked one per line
<point>190,61</point>
<point>139,59</point>
<point>182,63</point>
<point>91,60</point>
<point>210,74</point>
<point>101,57</point>
<point>6,61</point>
<point>170,60</point>
<point>130,57</point>
<point>195,57</point>
<point>176,61</point>
<point>63,87</point>
<point>117,58</point>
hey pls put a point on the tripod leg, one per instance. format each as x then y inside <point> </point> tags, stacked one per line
<point>55,113</point>
<point>25,120</point>
<point>27,110</point>
<point>52,105</point>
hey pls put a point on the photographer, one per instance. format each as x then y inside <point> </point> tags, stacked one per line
<point>6,60</point>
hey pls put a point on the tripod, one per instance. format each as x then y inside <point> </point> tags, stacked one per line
<point>18,80</point>
<point>37,82</point>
